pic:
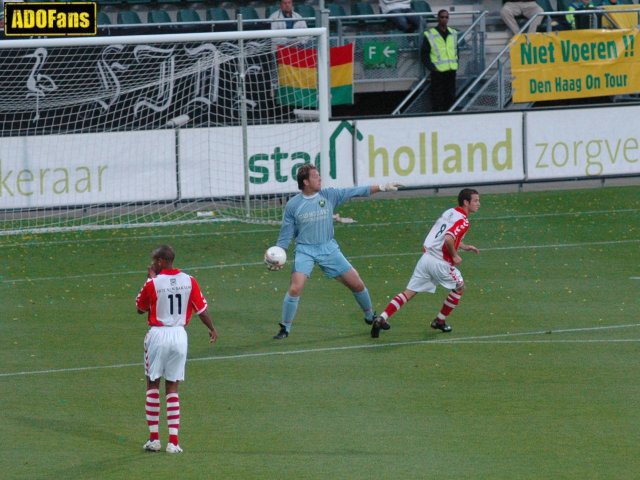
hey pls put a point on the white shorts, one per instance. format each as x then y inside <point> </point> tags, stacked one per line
<point>165,353</point>
<point>431,272</point>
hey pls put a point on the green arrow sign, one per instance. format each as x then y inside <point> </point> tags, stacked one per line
<point>380,54</point>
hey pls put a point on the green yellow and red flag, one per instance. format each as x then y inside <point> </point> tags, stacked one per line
<point>298,76</point>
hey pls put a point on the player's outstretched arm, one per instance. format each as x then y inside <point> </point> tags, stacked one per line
<point>385,187</point>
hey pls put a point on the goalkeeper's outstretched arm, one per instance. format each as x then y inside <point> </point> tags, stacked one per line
<point>385,187</point>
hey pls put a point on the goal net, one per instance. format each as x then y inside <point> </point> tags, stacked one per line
<point>146,130</point>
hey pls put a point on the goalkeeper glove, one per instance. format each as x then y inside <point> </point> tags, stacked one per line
<point>389,187</point>
<point>272,267</point>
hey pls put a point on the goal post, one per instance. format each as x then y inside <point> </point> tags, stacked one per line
<point>129,131</point>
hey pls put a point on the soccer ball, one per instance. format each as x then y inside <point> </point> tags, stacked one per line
<point>276,256</point>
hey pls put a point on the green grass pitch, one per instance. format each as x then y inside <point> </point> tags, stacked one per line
<point>538,380</point>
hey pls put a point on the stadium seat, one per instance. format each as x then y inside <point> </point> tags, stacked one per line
<point>335,10</point>
<point>420,6</point>
<point>307,11</point>
<point>248,13</point>
<point>137,2</point>
<point>545,5</point>
<point>128,17</point>
<point>188,15</point>
<point>364,8</point>
<point>104,3</point>
<point>103,19</point>
<point>158,16</point>
<point>217,14</point>
<point>269,10</point>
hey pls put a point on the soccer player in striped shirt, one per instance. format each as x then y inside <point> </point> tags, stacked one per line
<point>308,217</point>
<point>438,263</point>
<point>169,297</point>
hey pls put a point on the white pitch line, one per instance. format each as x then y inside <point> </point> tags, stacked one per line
<point>528,342</point>
<point>352,257</point>
<point>489,339</point>
<point>76,241</point>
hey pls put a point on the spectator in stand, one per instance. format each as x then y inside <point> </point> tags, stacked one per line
<point>582,21</point>
<point>408,24</point>
<point>285,18</point>
<point>526,8</point>
<point>440,56</point>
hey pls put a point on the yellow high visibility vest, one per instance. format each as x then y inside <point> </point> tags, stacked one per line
<point>443,54</point>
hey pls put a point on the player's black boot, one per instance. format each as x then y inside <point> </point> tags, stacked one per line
<point>282,333</point>
<point>441,325</point>
<point>370,322</point>
<point>378,324</point>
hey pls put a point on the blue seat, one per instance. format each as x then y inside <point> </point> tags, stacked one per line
<point>158,16</point>
<point>420,6</point>
<point>137,2</point>
<point>271,9</point>
<point>103,19</point>
<point>128,17</point>
<point>545,5</point>
<point>188,15</point>
<point>248,13</point>
<point>364,8</point>
<point>102,3</point>
<point>217,14</point>
<point>335,10</point>
<point>307,11</point>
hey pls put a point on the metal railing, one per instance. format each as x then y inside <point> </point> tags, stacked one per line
<point>471,53</point>
<point>357,29</point>
<point>492,89</point>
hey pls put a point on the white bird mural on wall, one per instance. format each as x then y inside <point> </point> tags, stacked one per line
<point>39,84</point>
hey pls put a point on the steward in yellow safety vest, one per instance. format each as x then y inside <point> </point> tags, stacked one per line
<point>439,53</point>
<point>444,52</point>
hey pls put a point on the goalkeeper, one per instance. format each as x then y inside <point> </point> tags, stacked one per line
<point>308,217</point>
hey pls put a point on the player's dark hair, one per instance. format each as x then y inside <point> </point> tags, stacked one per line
<point>465,194</point>
<point>165,252</point>
<point>303,174</point>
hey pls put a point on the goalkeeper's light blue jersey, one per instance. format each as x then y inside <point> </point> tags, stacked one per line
<point>310,219</point>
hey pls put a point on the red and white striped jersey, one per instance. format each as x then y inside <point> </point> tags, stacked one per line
<point>453,222</point>
<point>171,298</point>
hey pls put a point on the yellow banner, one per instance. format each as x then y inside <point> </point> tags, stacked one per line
<point>575,64</point>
